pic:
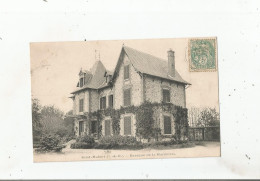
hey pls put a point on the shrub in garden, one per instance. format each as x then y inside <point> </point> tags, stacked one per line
<point>118,141</point>
<point>86,139</point>
<point>50,142</point>
<point>83,142</point>
<point>81,145</point>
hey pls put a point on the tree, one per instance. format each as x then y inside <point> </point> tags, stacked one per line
<point>194,115</point>
<point>69,122</point>
<point>36,119</point>
<point>209,117</point>
<point>52,119</point>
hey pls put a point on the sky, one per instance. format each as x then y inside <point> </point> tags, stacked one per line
<point>55,67</point>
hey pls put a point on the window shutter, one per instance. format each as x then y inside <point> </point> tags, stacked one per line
<point>107,128</point>
<point>127,97</point>
<point>167,125</point>
<point>111,101</point>
<point>81,127</point>
<point>81,105</point>
<point>166,95</point>
<point>126,72</point>
<point>127,125</point>
<point>102,102</point>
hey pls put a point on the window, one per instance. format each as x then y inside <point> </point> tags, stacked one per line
<point>103,102</point>
<point>167,125</point>
<point>107,128</point>
<point>81,82</point>
<point>110,101</point>
<point>126,72</point>
<point>127,125</point>
<point>81,127</point>
<point>166,95</point>
<point>81,105</point>
<point>127,97</point>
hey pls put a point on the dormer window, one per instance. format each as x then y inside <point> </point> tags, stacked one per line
<point>103,102</point>
<point>81,81</point>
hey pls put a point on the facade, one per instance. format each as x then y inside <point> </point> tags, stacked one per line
<point>138,77</point>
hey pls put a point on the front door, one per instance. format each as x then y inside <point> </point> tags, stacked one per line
<point>93,127</point>
<point>81,128</point>
<point>107,128</point>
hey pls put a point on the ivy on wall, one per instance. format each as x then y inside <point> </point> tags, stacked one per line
<point>145,119</point>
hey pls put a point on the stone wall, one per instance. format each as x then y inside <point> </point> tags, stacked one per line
<point>153,91</point>
<point>82,95</point>
<point>94,100</point>
<point>134,82</point>
<point>106,92</point>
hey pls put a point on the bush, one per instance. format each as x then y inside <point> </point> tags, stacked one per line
<point>161,143</point>
<point>50,142</point>
<point>80,145</point>
<point>86,139</point>
<point>118,141</point>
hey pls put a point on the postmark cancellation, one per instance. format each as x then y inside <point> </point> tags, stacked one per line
<point>202,54</point>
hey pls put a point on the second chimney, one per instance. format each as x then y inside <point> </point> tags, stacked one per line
<point>171,63</point>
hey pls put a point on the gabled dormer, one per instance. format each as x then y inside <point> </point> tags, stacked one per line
<point>84,78</point>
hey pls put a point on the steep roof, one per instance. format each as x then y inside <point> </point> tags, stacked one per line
<point>96,77</point>
<point>150,65</point>
<point>143,62</point>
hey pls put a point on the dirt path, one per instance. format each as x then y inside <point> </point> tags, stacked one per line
<point>208,149</point>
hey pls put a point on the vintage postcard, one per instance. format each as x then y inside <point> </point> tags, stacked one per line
<point>125,99</point>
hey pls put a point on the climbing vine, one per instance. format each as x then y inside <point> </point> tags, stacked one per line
<point>145,119</point>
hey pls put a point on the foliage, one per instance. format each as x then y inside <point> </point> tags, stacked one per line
<point>145,121</point>
<point>202,117</point>
<point>68,123</point>
<point>181,123</point>
<point>65,133</point>
<point>86,139</point>
<point>193,116</point>
<point>36,119</point>
<point>83,142</point>
<point>118,141</point>
<point>50,142</point>
<point>49,120</point>
<point>161,143</point>
<point>52,119</point>
<point>209,117</point>
<point>81,145</point>
<point>116,125</point>
<point>36,122</point>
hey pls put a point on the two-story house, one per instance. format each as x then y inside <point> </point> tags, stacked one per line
<point>138,77</point>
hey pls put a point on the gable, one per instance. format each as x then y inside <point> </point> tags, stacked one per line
<point>151,65</point>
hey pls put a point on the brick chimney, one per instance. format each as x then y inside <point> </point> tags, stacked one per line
<point>171,63</point>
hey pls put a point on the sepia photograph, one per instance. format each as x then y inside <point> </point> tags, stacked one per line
<point>125,99</point>
<point>129,89</point>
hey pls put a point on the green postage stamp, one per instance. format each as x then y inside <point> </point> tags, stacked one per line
<point>203,54</point>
